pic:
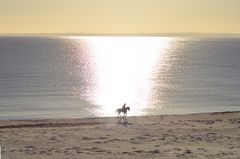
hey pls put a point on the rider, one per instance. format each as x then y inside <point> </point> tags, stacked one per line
<point>123,107</point>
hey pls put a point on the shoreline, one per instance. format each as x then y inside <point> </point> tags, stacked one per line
<point>107,117</point>
<point>199,135</point>
<point>99,117</point>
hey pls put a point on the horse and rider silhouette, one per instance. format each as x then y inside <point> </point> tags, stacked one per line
<point>122,111</point>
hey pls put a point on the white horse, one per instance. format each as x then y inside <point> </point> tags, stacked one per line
<point>122,110</point>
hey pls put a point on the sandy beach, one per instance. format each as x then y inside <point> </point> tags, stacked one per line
<point>207,135</point>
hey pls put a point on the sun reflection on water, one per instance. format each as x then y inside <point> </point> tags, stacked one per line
<point>123,68</point>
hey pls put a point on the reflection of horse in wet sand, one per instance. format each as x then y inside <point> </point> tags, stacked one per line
<point>123,111</point>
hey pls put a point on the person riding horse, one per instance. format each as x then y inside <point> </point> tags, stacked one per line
<point>123,110</point>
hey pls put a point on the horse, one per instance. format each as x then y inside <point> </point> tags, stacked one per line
<point>124,111</point>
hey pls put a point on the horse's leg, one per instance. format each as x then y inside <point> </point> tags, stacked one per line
<point>122,117</point>
<point>119,117</point>
<point>125,119</point>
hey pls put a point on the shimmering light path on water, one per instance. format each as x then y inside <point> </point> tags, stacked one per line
<point>55,77</point>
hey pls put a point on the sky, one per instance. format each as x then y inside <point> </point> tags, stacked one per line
<point>119,16</point>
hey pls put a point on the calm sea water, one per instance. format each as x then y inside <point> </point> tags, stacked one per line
<point>58,77</point>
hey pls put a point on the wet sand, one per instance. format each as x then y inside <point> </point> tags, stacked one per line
<point>207,135</point>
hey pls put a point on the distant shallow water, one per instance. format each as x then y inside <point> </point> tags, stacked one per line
<point>56,77</point>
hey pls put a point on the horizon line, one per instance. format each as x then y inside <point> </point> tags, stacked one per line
<point>125,34</point>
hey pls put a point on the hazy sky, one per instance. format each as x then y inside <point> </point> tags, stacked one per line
<point>119,16</point>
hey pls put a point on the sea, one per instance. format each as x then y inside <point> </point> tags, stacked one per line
<point>91,76</point>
